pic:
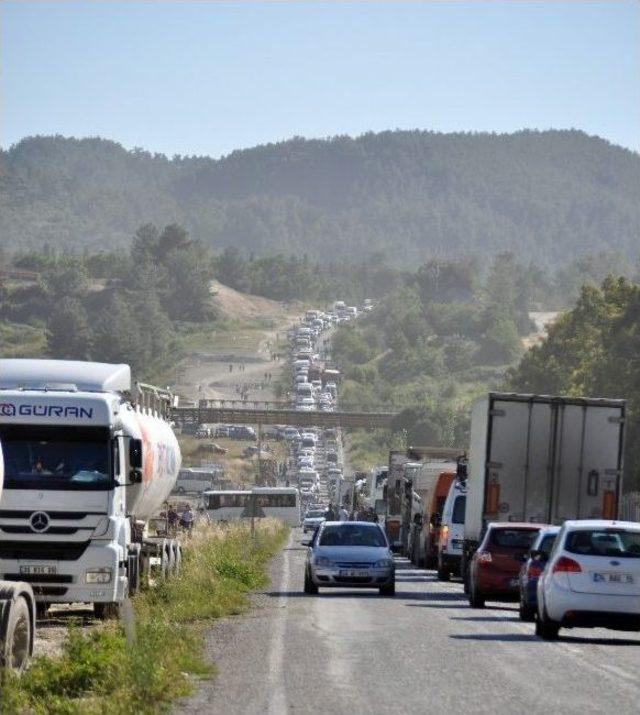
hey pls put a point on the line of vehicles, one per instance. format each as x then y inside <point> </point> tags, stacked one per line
<point>529,515</point>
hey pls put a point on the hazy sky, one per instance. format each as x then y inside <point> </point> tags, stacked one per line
<point>209,77</point>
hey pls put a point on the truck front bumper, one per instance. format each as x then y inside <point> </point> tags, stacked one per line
<point>98,576</point>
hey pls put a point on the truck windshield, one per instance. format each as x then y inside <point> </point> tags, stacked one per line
<point>61,458</point>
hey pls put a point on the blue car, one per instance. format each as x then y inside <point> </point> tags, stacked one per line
<point>531,569</point>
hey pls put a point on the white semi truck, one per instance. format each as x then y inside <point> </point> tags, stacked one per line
<point>542,459</point>
<point>89,459</point>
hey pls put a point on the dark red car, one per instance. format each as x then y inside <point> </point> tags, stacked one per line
<point>495,566</point>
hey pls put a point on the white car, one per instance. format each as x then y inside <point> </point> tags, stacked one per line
<point>306,404</point>
<point>312,520</point>
<point>591,579</point>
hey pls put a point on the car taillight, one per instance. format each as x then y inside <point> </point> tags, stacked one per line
<point>566,565</point>
<point>484,557</point>
<point>534,570</point>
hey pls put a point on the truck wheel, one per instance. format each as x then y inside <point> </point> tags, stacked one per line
<point>171,558</point>
<point>177,557</point>
<point>16,647</point>
<point>105,611</point>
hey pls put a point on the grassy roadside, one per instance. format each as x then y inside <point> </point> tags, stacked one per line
<point>103,672</point>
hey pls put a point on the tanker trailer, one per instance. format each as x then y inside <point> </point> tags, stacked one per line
<point>89,460</point>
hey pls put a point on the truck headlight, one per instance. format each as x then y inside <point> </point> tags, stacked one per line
<point>101,575</point>
<point>102,527</point>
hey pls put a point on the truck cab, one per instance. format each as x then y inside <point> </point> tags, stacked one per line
<point>85,470</point>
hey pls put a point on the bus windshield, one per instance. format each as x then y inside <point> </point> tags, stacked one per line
<point>61,458</point>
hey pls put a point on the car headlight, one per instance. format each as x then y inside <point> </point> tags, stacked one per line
<point>101,575</point>
<point>383,563</point>
<point>322,561</point>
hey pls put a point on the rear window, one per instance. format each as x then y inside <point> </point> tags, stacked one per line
<point>458,510</point>
<point>352,535</point>
<point>546,543</point>
<point>513,538</point>
<point>604,542</point>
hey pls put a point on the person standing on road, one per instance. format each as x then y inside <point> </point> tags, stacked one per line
<point>343,514</point>
<point>331,512</point>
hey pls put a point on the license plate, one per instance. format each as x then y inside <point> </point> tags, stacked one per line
<point>38,570</point>
<point>352,573</point>
<point>607,577</point>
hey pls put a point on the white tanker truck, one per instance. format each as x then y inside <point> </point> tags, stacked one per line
<point>89,459</point>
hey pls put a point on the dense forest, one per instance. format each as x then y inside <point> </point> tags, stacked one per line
<point>124,307</point>
<point>593,350</point>
<point>410,196</point>
<point>434,344</point>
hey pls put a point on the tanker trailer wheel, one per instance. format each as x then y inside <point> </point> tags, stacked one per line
<point>171,557</point>
<point>178,551</point>
<point>15,638</point>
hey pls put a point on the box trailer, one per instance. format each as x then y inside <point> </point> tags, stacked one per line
<point>542,459</point>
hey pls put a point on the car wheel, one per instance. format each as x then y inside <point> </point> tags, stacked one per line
<point>547,629</point>
<point>526,613</point>
<point>388,589</point>
<point>476,600</point>
<point>309,587</point>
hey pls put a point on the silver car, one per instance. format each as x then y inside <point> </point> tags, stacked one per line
<point>350,554</point>
<point>312,520</point>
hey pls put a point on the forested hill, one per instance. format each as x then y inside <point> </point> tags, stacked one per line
<point>548,196</point>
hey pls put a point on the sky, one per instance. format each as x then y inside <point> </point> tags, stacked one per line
<point>208,77</point>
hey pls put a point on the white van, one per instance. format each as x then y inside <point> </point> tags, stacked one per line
<point>452,532</point>
<point>193,481</point>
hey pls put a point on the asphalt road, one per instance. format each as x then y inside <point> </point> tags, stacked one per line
<point>424,651</point>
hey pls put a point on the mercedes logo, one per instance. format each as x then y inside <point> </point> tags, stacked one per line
<point>39,522</point>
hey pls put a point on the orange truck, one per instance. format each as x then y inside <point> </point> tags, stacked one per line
<point>431,487</point>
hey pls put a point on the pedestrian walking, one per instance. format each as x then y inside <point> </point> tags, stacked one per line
<point>343,514</point>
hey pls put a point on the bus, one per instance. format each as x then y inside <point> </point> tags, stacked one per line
<point>278,502</point>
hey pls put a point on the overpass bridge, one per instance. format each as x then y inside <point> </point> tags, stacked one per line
<point>276,413</point>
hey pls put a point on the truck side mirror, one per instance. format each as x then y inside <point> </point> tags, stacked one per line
<point>135,453</point>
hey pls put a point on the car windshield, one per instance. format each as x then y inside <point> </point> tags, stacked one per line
<point>56,458</point>
<point>604,542</point>
<point>352,535</point>
<point>513,538</point>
